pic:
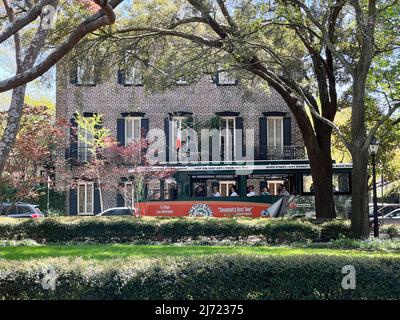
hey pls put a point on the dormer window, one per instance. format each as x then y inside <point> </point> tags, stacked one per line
<point>133,75</point>
<point>182,81</point>
<point>226,79</point>
<point>83,75</point>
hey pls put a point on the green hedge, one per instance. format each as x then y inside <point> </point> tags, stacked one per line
<point>60,229</point>
<point>217,277</point>
<point>335,229</point>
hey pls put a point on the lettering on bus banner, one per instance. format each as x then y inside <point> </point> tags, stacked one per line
<point>209,209</point>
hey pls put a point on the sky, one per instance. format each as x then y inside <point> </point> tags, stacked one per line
<point>36,90</point>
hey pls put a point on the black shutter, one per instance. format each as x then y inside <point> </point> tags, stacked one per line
<point>145,127</point>
<point>215,78</point>
<point>97,205</point>
<point>96,74</point>
<point>121,77</point>
<point>121,132</point>
<point>263,139</point>
<point>166,131</point>
<point>73,139</point>
<point>73,74</point>
<point>120,200</point>
<point>73,202</point>
<point>239,126</point>
<point>287,131</point>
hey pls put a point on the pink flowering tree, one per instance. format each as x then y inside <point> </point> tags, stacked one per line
<point>31,159</point>
<point>112,166</point>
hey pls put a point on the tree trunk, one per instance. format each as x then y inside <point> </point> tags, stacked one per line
<point>359,202</point>
<point>320,158</point>
<point>13,122</point>
<point>359,152</point>
<point>321,171</point>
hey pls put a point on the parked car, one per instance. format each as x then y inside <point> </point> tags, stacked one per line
<point>383,209</point>
<point>21,210</point>
<point>392,217</point>
<point>117,211</point>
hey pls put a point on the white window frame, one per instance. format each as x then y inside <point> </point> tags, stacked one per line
<point>126,184</point>
<point>136,75</point>
<point>85,201</point>
<point>227,145</point>
<point>276,184</point>
<point>274,144</point>
<point>80,75</point>
<point>133,119</point>
<point>86,146</point>
<point>227,183</point>
<point>181,81</point>
<point>177,120</point>
<point>226,79</point>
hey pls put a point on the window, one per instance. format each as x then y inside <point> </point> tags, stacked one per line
<point>224,78</point>
<point>274,186</point>
<point>227,138</point>
<point>85,75</point>
<point>181,81</point>
<point>133,75</point>
<point>178,140</point>
<point>129,193</point>
<point>84,144</point>
<point>274,134</point>
<point>133,128</point>
<point>86,198</point>
<point>24,209</point>
<point>341,183</point>
<point>225,188</point>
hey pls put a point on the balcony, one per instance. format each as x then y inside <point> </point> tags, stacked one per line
<point>285,153</point>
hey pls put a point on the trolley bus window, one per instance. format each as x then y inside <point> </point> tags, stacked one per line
<point>341,183</point>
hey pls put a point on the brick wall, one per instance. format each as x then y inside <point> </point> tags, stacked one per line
<point>203,99</point>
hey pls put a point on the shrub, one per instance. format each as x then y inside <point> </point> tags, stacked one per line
<point>392,232</point>
<point>290,231</point>
<point>335,229</point>
<point>217,277</point>
<point>62,229</point>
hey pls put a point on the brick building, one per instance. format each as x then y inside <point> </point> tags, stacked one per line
<point>128,110</point>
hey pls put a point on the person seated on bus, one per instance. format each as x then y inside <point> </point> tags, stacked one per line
<point>200,191</point>
<point>250,191</point>
<point>215,192</point>
<point>233,191</point>
<point>173,192</point>
<point>265,191</point>
<point>284,191</point>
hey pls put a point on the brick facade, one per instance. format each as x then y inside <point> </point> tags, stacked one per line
<point>203,99</point>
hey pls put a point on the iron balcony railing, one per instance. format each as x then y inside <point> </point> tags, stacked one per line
<point>285,153</point>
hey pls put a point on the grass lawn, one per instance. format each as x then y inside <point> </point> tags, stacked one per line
<point>104,252</point>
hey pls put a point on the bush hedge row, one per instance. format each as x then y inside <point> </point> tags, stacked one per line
<point>61,229</point>
<point>217,277</point>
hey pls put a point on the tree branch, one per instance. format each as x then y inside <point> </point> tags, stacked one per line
<point>23,20</point>
<point>102,18</point>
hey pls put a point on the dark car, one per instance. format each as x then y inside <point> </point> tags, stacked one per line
<point>21,210</point>
<point>117,211</point>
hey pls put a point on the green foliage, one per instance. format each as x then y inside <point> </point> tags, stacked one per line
<point>392,232</point>
<point>57,202</point>
<point>335,230</point>
<point>217,277</point>
<point>103,230</point>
